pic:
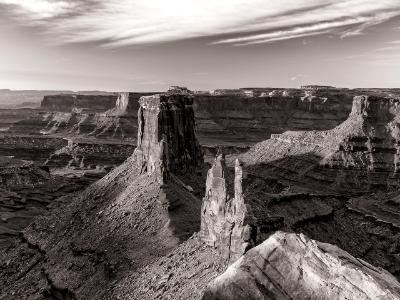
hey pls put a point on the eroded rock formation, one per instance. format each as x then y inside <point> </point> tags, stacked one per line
<point>15,172</point>
<point>120,224</point>
<point>291,266</point>
<point>226,222</point>
<point>360,154</point>
<point>166,136</point>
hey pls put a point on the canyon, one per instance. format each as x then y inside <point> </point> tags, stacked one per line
<point>227,194</point>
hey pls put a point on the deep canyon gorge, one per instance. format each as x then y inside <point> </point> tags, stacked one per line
<point>255,193</point>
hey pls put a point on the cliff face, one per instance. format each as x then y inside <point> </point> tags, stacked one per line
<point>226,222</point>
<point>120,224</point>
<point>166,136</point>
<point>290,266</point>
<point>221,119</point>
<point>239,119</point>
<point>67,102</point>
<point>98,116</point>
<point>359,154</point>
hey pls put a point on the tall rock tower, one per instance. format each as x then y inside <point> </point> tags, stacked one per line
<point>226,222</point>
<point>166,135</point>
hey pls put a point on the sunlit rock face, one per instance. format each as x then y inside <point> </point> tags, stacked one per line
<point>166,135</point>
<point>292,266</point>
<point>226,222</point>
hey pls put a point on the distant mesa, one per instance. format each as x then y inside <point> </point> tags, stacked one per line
<point>317,87</point>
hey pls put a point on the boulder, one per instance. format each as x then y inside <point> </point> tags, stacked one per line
<point>292,266</point>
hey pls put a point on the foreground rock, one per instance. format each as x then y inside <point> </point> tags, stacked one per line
<point>290,266</point>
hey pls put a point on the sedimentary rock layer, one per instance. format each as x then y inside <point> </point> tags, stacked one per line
<point>359,154</point>
<point>120,224</point>
<point>237,119</point>
<point>15,172</point>
<point>90,154</point>
<point>291,266</point>
<point>221,119</point>
<point>166,137</point>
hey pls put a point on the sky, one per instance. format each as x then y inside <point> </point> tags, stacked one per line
<point>148,45</point>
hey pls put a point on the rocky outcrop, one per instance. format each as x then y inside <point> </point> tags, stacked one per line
<point>235,119</point>
<point>89,155</point>
<point>291,266</point>
<point>166,137</point>
<point>119,225</point>
<point>15,172</point>
<point>360,154</point>
<point>27,147</point>
<point>226,222</point>
<point>111,116</point>
<point>222,118</point>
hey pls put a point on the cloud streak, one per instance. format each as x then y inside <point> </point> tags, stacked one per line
<point>119,23</point>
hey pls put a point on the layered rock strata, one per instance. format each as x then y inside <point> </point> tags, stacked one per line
<point>15,173</point>
<point>120,224</point>
<point>66,102</point>
<point>27,147</point>
<point>98,116</point>
<point>89,154</point>
<point>291,266</point>
<point>226,222</point>
<point>223,119</point>
<point>166,137</point>
<point>360,154</point>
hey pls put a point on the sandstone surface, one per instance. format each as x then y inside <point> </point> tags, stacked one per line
<point>291,266</point>
<point>166,137</point>
<point>120,224</point>
<point>359,154</point>
<point>226,222</point>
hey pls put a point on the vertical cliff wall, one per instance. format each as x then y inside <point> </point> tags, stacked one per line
<point>166,135</point>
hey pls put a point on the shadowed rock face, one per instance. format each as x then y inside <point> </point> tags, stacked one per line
<point>65,102</point>
<point>20,173</point>
<point>291,266</point>
<point>226,222</point>
<point>360,154</point>
<point>166,136</point>
<point>120,224</point>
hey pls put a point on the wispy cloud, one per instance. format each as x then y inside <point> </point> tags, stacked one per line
<point>297,77</point>
<point>129,22</point>
<point>381,56</point>
<point>39,9</point>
